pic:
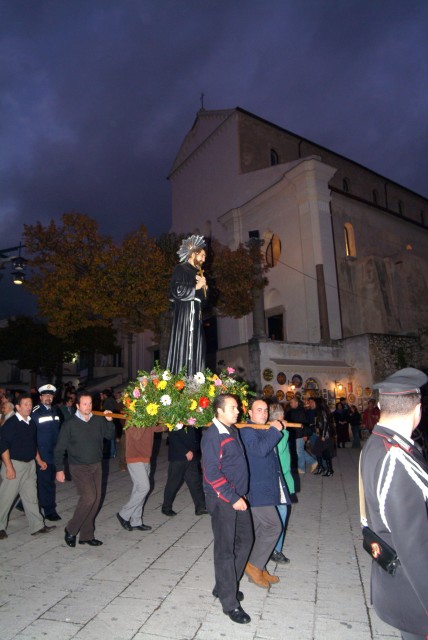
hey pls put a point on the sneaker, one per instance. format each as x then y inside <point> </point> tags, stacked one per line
<point>278,556</point>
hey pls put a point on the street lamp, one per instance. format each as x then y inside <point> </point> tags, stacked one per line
<point>17,261</point>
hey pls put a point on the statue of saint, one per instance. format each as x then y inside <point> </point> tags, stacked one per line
<point>188,291</point>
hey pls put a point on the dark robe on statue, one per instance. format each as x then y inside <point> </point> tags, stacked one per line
<point>187,342</point>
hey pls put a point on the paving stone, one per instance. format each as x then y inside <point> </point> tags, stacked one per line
<point>157,585</point>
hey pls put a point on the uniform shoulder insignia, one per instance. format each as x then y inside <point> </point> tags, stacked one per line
<point>36,407</point>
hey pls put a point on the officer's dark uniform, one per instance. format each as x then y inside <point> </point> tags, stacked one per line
<point>395,479</point>
<point>48,423</point>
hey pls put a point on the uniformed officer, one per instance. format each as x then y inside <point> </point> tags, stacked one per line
<point>395,480</point>
<point>48,421</point>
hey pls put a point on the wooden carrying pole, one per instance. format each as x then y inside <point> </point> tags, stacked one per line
<point>240,425</point>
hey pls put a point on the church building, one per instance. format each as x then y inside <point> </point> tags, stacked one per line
<point>347,299</point>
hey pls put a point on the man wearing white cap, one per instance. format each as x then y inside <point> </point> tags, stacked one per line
<point>48,421</point>
<point>395,480</point>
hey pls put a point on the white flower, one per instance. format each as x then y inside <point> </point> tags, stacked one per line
<point>179,426</point>
<point>165,400</point>
<point>199,377</point>
<point>166,375</point>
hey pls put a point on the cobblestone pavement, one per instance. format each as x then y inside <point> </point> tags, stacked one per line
<point>157,585</point>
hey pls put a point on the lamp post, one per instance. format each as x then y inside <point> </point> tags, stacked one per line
<point>17,261</point>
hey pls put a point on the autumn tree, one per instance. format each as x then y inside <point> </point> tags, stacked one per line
<point>67,261</point>
<point>236,277</point>
<point>83,280</point>
<point>139,273</point>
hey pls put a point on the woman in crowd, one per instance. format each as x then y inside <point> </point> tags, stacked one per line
<point>371,416</point>
<point>341,419</point>
<point>276,412</point>
<point>323,446</point>
<point>355,422</point>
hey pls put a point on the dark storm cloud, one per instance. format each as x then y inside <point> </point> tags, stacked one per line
<point>96,97</point>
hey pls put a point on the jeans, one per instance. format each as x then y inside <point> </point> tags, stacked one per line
<point>284,511</point>
<point>303,456</point>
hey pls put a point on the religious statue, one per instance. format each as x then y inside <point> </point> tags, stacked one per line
<point>188,291</point>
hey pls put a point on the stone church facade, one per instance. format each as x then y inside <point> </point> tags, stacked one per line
<point>347,296</point>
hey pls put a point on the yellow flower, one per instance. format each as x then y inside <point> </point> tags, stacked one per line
<point>132,405</point>
<point>245,403</point>
<point>193,405</point>
<point>169,426</point>
<point>152,408</point>
<point>211,391</point>
<point>214,377</point>
<point>162,385</point>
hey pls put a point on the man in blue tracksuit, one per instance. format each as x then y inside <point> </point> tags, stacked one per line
<point>225,476</point>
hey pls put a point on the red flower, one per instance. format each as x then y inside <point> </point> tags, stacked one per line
<point>179,385</point>
<point>204,402</point>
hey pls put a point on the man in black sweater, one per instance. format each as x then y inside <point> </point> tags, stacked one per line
<point>82,438</point>
<point>19,453</point>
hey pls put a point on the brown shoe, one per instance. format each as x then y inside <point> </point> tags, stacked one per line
<point>44,529</point>
<point>256,575</point>
<point>270,578</point>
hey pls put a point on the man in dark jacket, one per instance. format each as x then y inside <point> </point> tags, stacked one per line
<point>395,480</point>
<point>183,457</point>
<point>82,438</point>
<point>225,485</point>
<point>267,489</point>
<point>48,421</point>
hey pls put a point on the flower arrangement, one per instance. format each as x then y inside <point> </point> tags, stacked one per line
<point>176,400</point>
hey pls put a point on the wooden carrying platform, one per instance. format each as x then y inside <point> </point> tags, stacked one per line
<point>240,425</point>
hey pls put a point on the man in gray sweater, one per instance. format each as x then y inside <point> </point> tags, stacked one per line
<point>82,438</point>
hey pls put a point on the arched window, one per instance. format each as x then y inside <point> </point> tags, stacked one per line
<point>346,185</point>
<point>350,248</point>
<point>375,196</point>
<point>274,158</point>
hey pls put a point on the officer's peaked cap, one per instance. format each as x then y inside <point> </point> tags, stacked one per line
<point>408,380</point>
<point>47,388</point>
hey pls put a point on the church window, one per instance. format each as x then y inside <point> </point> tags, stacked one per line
<point>350,248</point>
<point>274,158</point>
<point>275,324</point>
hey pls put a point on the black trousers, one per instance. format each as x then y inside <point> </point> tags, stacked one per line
<point>46,489</point>
<point>233,539</point>
<point>184,471</point>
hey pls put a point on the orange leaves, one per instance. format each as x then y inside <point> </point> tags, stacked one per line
<point>235,279</point>
<point>82,279</point>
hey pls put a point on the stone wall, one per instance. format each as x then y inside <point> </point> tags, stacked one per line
<point>389,353</point>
